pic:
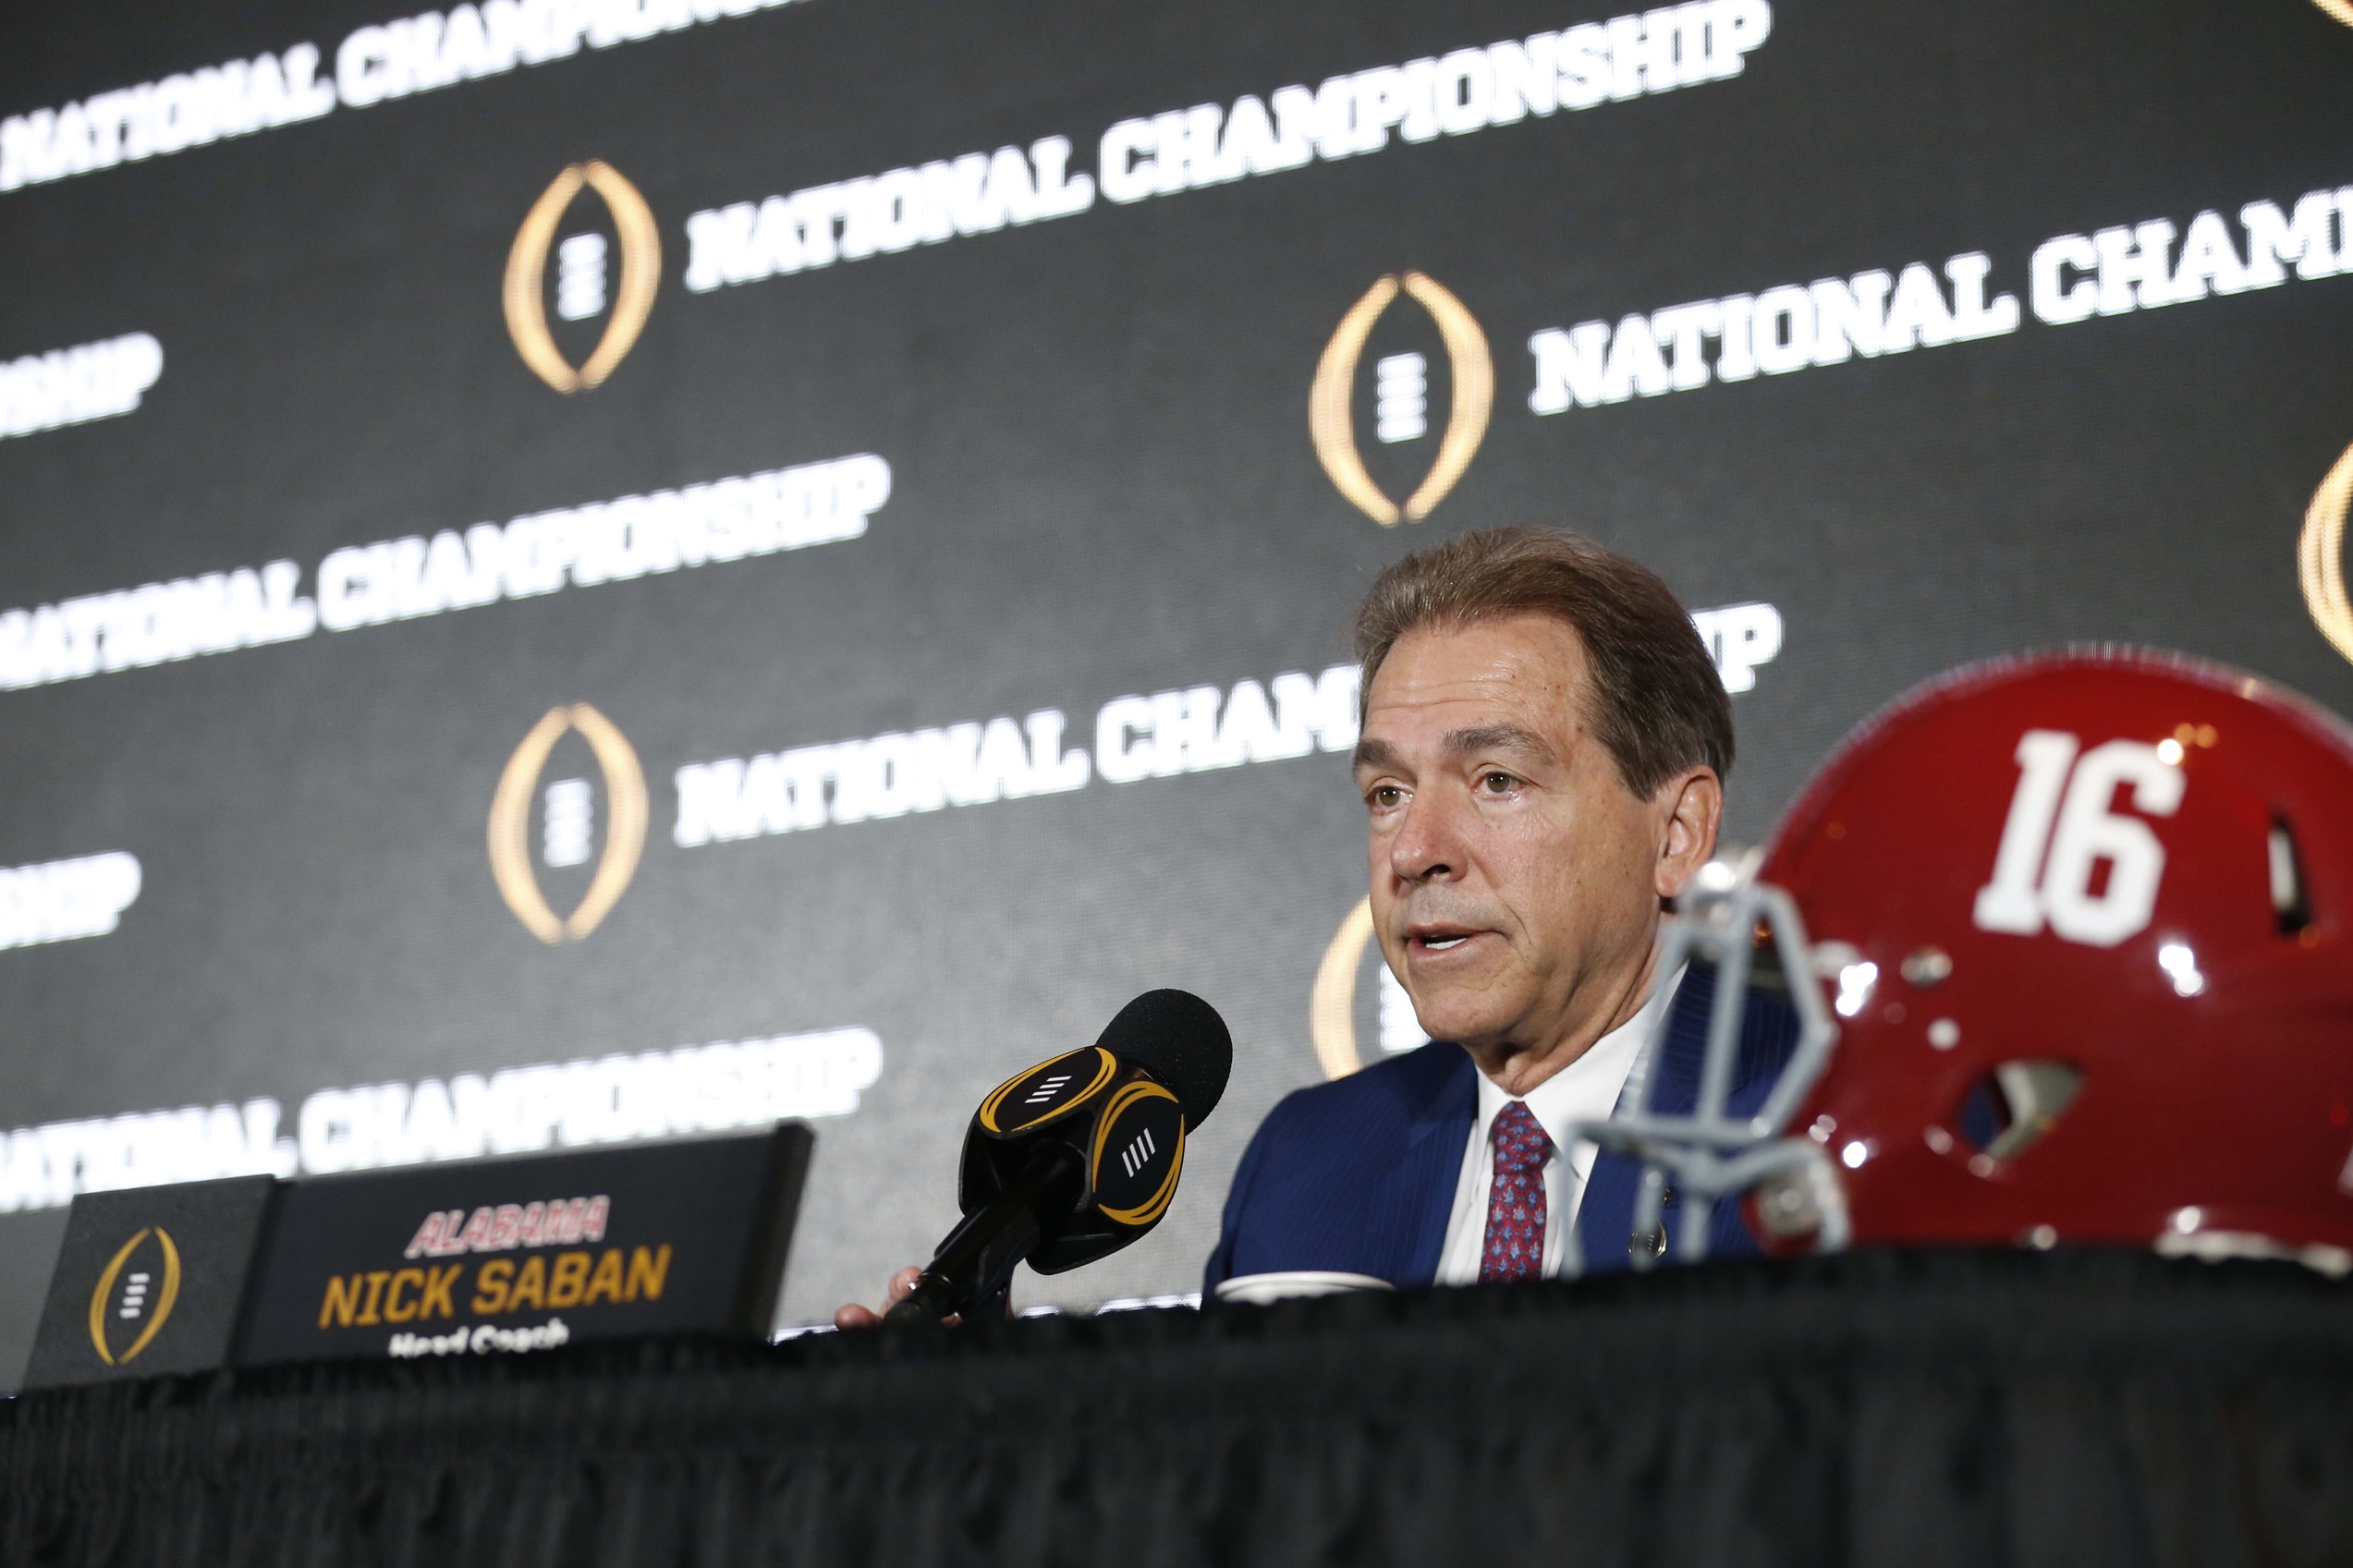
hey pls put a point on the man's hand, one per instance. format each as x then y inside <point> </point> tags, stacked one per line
<point>855,1317</point>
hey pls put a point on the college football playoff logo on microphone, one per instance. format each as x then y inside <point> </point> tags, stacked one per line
<point>1401,397</point>
<point>135,1296</point>
<point>1138,1154</point>
<point>1047,1092</point>
<point>567,820</point>
<point>583,269</point>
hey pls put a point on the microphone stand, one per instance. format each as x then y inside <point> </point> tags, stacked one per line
<point>974,1265</point>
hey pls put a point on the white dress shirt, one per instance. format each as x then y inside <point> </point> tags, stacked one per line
<point>1588,1089</point>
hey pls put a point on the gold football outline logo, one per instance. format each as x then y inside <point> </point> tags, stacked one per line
<point>1332,1004</point>
<point>1330,424</point>
<point>632,300</point>
<point>510,824</point>
<point>2319,556</point>
<point>1150,1211</point>
<point>166,1296</point>
<point>1105,1066</point>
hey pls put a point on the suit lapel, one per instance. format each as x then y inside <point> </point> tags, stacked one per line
<point>1605,1217</point>
<point>1414,1201</point>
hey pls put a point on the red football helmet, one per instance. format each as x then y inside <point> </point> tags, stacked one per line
<point>2068,939</point>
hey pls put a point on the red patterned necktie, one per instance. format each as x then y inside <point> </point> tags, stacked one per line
<point>1515,1206</point>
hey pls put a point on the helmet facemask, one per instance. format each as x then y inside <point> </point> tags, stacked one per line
<point>1751,934</point>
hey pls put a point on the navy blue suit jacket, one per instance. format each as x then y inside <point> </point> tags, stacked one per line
<point>1359,1175</point>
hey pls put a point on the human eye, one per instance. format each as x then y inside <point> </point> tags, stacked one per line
<point>1494,781</point>
<point>1384,796</point>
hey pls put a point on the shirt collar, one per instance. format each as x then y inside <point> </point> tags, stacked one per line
<point>1588,1089</point>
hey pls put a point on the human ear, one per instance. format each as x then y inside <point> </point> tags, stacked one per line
<point>1690,808</point>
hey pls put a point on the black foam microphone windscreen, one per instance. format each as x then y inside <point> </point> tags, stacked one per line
<point>1180,1040</point>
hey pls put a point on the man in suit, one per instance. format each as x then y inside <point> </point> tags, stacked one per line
<point>1544,750</point>
<point>1541,759</point>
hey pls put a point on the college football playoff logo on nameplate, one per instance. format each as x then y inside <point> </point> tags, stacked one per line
<point>1401,398</point>
<point>567,823</point>
<point>581,291</point>
<point>135,1296</point>
<point>149,1280</point>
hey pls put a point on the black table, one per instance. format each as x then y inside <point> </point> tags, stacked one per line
<point>2070,1409</point>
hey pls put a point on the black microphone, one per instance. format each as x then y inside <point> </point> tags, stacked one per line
<point>1078,1155</point>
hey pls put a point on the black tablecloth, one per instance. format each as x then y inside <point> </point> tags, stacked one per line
<point>2067,1409</point>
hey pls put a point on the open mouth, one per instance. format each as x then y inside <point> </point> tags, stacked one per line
<point>1436,941</point>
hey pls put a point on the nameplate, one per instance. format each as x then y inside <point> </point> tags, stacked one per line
<point>149,1280</point>
<point>497,1257</point>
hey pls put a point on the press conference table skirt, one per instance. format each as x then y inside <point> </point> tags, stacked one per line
<point>2071,1409</point>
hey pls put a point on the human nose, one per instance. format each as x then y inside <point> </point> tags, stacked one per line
<point>1428,843</point>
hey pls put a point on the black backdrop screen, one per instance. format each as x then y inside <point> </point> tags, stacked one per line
<point>575,570</point>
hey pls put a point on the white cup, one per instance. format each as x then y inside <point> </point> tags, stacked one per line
<point>1260,1290</point>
